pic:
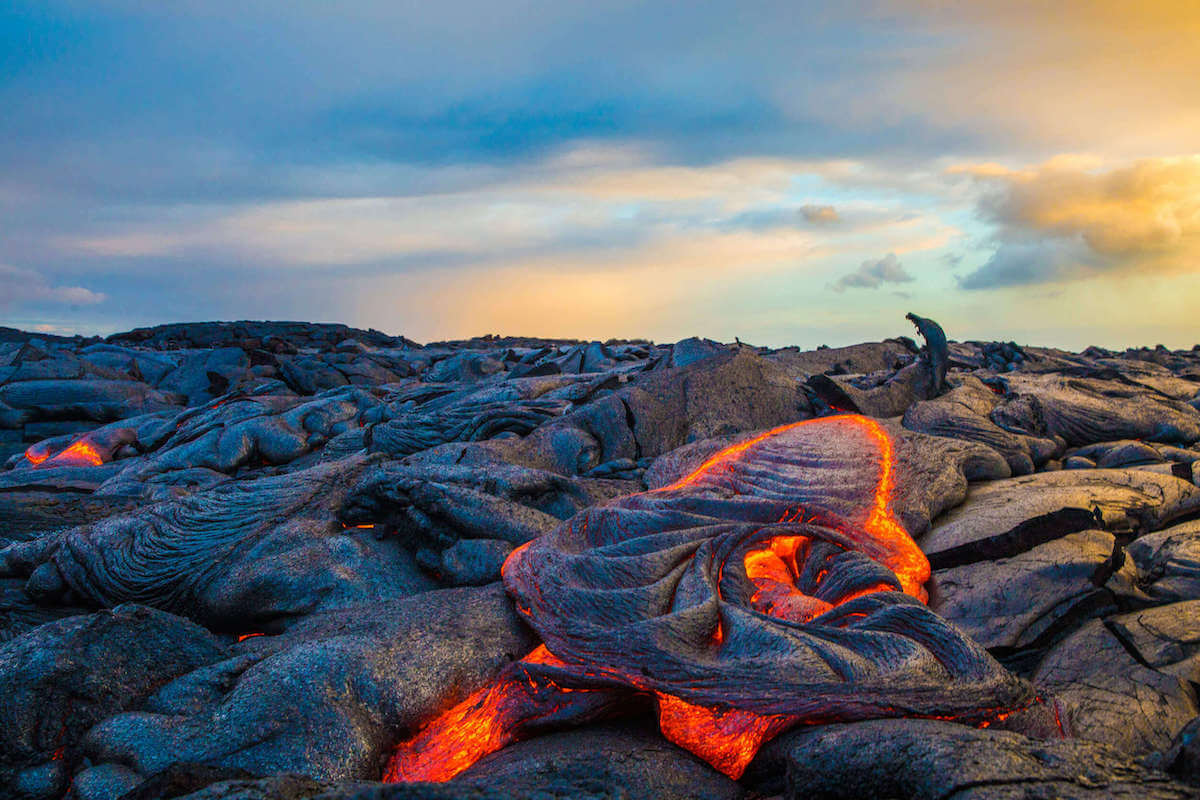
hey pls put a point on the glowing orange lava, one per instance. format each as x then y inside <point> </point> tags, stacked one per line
<point>455,740</point>
<point>728,738</point>
<point>887,540</point>
<point>486,721</point>
<point>772,570</point>
<point>80,454</point>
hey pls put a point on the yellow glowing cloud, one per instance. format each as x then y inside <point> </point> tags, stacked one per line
<point>1143,215</point>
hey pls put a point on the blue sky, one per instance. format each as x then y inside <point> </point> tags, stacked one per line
<point>785,172</point>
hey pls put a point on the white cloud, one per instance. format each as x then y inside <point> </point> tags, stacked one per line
<point>22,287</point>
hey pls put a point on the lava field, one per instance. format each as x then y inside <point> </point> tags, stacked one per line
<point>283,560</point>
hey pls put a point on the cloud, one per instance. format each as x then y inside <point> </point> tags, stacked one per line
<point>873,274</point>
<point>25,287</point>
<point>1105,75</point>
<point>604,200</point>
<point>819,214</point>
<point>1069,219</point>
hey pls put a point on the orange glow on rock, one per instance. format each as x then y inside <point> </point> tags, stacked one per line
<point>726,739</point>
<point>905,558</point>
<point>486,721</point>
<point>731,453</point>
<point>772,570</point>
<point>246,636</point>
<point>80,454</point>
<point>888,541</point>
<point>455,740</point>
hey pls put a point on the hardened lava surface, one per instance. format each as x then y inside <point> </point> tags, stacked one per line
<point>285,560</point>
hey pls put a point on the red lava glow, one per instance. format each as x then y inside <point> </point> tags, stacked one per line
<point>483,723</point>
<point>890,542</point>
<point>246,636</point>
<point>727,738</point>
<point>455,740</point>
<point>80,454</point>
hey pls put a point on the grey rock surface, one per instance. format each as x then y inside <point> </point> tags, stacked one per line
<point>251,559</point>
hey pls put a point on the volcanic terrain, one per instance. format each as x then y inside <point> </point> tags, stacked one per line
<point>283,560</point>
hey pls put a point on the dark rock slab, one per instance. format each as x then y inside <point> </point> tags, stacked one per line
<point>858,359</point>
<point>1110,696</point>
<point>1006,517</point>
<point>1166,565</point>
<point>328,698</point>
<point>1182,758</point>
<point>199,782</point>
<point>240,554</point>
<point>1088,410</point>
<point>93,399</point>
<point>19,614</point>
<point>1166,638</point>
<point>467,422</point>
<point>627,760</point>
<point>1014,602</point>
<point>30,513</point>
<point>184,335</point>
<point>931,760</point>
<point>732,392</point>
<point>964,413</point>
<point>435,505</point>
<point>63,677</point>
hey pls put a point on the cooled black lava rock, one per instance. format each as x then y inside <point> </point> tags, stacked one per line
<point>228,554</point>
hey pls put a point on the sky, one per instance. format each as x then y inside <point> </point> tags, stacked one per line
<point>782,172</point>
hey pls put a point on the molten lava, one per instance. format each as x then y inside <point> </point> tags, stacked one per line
<point>81,453</point>
<point>726,739</point>
<point>543,690</point>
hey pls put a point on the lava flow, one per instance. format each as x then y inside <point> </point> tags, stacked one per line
<point>81,453</point>
<point>523,699</point>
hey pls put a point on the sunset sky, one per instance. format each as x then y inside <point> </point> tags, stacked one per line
<point>784,172</point>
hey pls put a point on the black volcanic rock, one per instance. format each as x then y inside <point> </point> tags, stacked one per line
<point>328,697</point>
<point>251,559</point>
<point>1005,517</point>
<point>234,556</point>
<point>63,677</point>
<point>1111,696</point>
<point>1015,602</point>
<point>626,761</point>
<point>929,760</point>
<point>1165,565</point>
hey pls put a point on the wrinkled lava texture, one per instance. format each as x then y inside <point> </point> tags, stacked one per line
<point>291,560</point>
